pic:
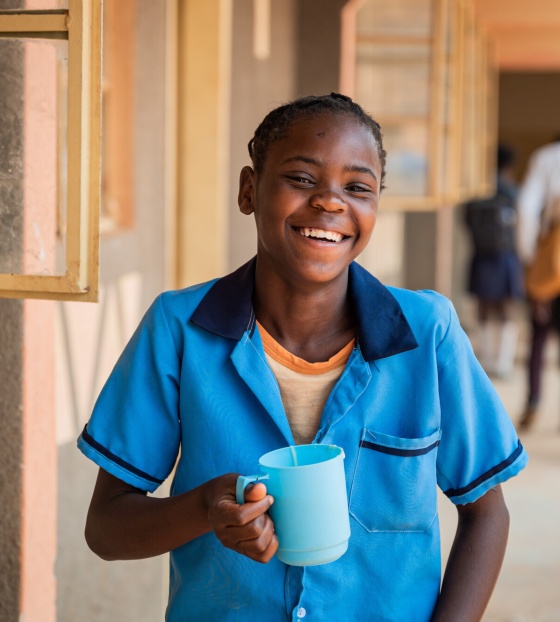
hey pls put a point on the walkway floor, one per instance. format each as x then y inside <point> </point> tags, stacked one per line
<point>528,589</point>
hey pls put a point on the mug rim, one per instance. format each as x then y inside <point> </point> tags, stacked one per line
<point>339,454</point>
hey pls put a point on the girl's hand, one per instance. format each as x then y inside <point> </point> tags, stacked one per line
<point>246,528</point>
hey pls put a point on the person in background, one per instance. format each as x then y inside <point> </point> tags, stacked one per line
<point>539,209</point>
<point>496,276</point>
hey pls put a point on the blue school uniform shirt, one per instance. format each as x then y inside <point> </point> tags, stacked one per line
<point>412,410</point>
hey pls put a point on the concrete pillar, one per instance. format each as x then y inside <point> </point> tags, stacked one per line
<point>204,105</point>
<point>419,256</point>
<point>318,46</point>
<point>11,321</point>
<point>11,326</point>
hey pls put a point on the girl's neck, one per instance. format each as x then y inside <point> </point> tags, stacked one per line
<point>314,322</point>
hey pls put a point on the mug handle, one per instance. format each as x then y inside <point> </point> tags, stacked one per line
<point>242,482</point>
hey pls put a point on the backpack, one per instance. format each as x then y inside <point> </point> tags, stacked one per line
<point>492,224</point>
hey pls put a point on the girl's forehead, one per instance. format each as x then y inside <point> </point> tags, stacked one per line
<point>325,131</point>
<point>325,124</point>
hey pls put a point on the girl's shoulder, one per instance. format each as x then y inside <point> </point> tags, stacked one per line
<point>429,314</point>
<point>424,302</point>
<point>181,303</point>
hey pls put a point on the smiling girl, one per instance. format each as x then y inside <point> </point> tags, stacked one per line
<point>302,345</point>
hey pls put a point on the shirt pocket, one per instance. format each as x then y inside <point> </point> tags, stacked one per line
<point>394,487</point>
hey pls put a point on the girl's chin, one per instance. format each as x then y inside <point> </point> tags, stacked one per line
<point>320,272</point>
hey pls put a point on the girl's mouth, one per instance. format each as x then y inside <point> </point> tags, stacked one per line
<point>320,234</point>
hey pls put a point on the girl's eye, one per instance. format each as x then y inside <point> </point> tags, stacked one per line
<point>357,188</point>
<point>300,180</point>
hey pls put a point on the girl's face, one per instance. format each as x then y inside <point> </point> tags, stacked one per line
<point>315,202</point>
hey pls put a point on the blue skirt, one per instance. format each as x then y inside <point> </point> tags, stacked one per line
<point>496,277</point>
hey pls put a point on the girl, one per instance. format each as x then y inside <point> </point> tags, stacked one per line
<point>303,345</point>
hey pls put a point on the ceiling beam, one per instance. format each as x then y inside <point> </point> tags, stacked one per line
<point>504,13</point>
<point>527,49</point>
<point>526,33</point>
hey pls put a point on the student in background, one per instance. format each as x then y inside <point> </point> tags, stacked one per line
<point>539,211</point>
<point>495,276</point>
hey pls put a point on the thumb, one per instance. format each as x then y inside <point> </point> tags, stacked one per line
<point>256,492</point>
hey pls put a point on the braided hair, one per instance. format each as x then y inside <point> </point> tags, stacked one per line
<point>277,123</point>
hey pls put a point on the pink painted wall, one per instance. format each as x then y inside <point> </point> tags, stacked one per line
<point>39,495</point>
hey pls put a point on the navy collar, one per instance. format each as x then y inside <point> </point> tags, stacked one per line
<point>383,330</point>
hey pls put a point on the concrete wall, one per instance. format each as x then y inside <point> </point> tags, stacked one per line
<point>318,46</point>
<point>11,329</point>
<point>11,326</point>
<point>419,250</point>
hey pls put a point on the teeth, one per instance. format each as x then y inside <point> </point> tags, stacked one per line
<point>320,234</point>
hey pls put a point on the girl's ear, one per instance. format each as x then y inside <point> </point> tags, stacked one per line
<point>246,197</point>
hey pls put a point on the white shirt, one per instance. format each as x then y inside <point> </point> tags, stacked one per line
<point>538,202</point>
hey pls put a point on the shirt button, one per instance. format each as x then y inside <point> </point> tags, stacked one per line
<point>301,613</point>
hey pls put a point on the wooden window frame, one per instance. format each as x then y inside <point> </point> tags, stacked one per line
<point>447,182</point>
<point>479,134</point>
<point>81,25</point>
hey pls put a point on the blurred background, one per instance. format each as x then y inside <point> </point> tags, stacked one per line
<point>184,83</point>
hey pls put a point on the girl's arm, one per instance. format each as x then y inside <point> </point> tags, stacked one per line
<point>125,523</point>
<point>475,559</point>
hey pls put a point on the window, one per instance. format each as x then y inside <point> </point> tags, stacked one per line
<point>422,70</point>
<point>50,84</point>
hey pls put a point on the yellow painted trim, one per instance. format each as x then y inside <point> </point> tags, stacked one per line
<point>38,282</point>
<point>84,25</point>
<point>33,22</point>
<point>92,63</point>
<point>40,286</point>
<point>171,142</point>
<point>52,295</point>
<point>452,178</point>
<point>436,96</point>
<point>204,101</point>
<point>75,179</point>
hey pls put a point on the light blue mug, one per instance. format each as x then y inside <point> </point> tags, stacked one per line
<point>310,509</point>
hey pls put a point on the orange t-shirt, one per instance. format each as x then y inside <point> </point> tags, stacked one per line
<point>304,386</point>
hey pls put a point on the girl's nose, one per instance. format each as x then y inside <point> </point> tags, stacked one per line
<point>329,201</point>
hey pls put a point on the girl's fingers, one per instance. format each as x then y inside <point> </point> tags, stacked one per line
<point>261,548</point>
<point>229,514</point>
<point>250,511</point>
<point>252,530</point>
<point>255,492</point>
